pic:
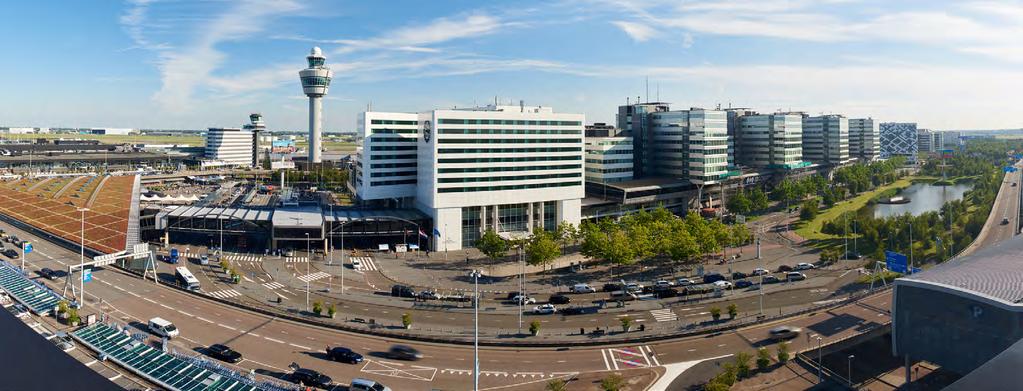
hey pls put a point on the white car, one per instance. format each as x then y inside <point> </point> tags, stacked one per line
<point>686,282</point>
<point>524,299</point>
<point>356,264</point>
<point>633,287</point>
<point>544,309</point>
<point>722,284</point>
<point>663,284</point>
<point>758,271</point>
<point>804,266</point>
<point>583,288</point>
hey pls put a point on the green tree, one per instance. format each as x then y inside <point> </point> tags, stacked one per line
<point>556,385</point>
<point>728,376</point>
<point>534,327</point>
<point>783,352</point>
<point>618,250</point>
<point>739,203</point>
<point>612,382</point>
<point>733,310</point>
<point>317,307</point>
<point>715,313</point>
<point>758,199</point>
<point>566,234</point>
<point>492,245</point>
<point>541,250</point>
<point>740,234</point>
<point>742,364</point>
<point>763,359</point>
<point>626,323</point>
<point>714,385</point>
<point>809,210</point>
<point>682,248</point>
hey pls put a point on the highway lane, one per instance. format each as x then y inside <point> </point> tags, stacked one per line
<point>270,345</point>
<point>1006,206</point>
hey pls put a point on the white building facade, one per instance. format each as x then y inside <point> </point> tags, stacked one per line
<point>899,139</point>
<point>608,159</point>
<point>229,147</point>
<point>691,144</point>
<point>826,139</point>
<point>512,169</point>
<point>864,139</point>
<point>771,140</point>
<point>386,160</point>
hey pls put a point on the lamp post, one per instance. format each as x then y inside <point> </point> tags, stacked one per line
<point>342,258</point>
<point>820,361</point>
<point>476,329</point>
<point>850,369</point>
<point>308,261</point>
<point>81,261</point>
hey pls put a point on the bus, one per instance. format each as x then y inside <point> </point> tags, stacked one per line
<point>186,279</point>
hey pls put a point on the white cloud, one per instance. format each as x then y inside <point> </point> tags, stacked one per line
<point>639,32</point>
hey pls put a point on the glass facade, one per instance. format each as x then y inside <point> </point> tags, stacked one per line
<point>470,225</point>
<point>550,215</point>
<point>512,218</point>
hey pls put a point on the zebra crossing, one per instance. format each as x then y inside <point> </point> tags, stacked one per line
<point>224,294</point>
<point>273,285</point>
<point>313,276</point>
<point>664,315</point>
<point>363,264</point>
<point>296,259</point>
<point>244,258</point>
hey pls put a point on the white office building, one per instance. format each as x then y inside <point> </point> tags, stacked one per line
<point>513,169</point>
<point>826,139</point>
<point>690,144</point>
<point>864,139</point>
<point>229,147</point>
<point>771,140</point>
<point>925,141</point>
<point>608,159</point>
<point>385,168</point>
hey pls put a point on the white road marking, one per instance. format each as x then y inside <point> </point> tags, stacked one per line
<point>301,347</point>
<point>273,340</point>
<point>227,327</point>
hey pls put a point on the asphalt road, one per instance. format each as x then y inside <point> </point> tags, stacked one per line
<point>1006,206</point>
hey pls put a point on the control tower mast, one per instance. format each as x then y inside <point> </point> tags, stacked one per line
<point>315,82</point>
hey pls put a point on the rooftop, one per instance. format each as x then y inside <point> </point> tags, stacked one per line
<point>993,272</point>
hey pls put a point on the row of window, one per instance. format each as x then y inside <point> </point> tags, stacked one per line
<point>315,81</point>
<point>608,161</point>
<point>509,159</point>
<point>509,141</point>
<point>610,152</point>
<point>459,121</point>
<point>508,131</point>
<point>392,139</point>
<point>392,122</point>
<point>392,165</point>
<point>474,189</point>
<point>509,150</point>
<point>395,131</point>
<point>508,178</point>
<point>392,183</point>
<point>507,168</point>
<point>609,170</point>
<point>393,148</point>
<point>389,174</point>
<point>392,157</point>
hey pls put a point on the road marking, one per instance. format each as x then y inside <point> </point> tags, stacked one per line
<point>224,294</point>
<point>604,356</point>
<point>273,285</point>
<point>273,340</point>
<point>90,363</point>
<point>165,306</point>
<point>204,319</point>
<point>313,276</point>
<point>652,355</point>
<point>149,300</point>
<point>301,347</point>
<point>721,345</point>
<point>115,377</point>
<point>664,315</point>
<point>186,314</point>
<point>227,327</point>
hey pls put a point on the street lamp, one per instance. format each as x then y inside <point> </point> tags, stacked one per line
<point>820,361</point>
<point>850,369</point>
<point>81,261</point>
<point>309,260</point>
<point>476,329</point>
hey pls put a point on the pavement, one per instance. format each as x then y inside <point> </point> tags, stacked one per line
<point>1006,206</point>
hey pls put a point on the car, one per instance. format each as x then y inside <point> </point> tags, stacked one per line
<point>795,276</point>
<point>1005,220</point>
<point>722,284</point>
<point>10,253</point>
<point>545,309</point>
<point>852,255</point>
<point>580,310</point>
<point>666,293</point>
<point>15,241</point>
<point>63,342</point>
<point>804,266</point>
<point>47,273</point>
<point>204,259</point>
<point>784,332</point>
<point>429,295</point>
<point>662,284</point>
<point>559,299</point>
<point>342,354</point>
<point>583,288</point>
<point>743,284</point>
<point>356,264</point>
<point>402,291</point>
<point>770,279</point>
<point>309,377</point>
<point>403,352</point>
<point>633,287</point>
<point>511,295</point>
<point>784,268</point>
<point>758,271</point>
<point>711,278</point>
<point>738,275</point>
<point>1013,184</point>
<point>359,384</point>
<point>223,353</point>
<point>685,282</point>
<point>612,287</point>
<point>18,310</point>
<point>523,299</point>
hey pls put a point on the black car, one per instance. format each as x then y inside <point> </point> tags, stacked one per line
<point>770,279</point>
<point>402,291</point>
<point>612,287</point>
<point>578,310</point>
<point>784,268</point>
<point>402,352</point>
<point>309,377</point>
<point>341,354</point>
<point>738,275</point>
<point>559,299</point>
<point>223,353</point>
<point>743,284</point>
<point>711,278</point>
<point>666,293</point>
<point>852,255</point>
<point>15,240</point>
<point>47,273</point>
<point>511,295</point>
<point>10,253</point>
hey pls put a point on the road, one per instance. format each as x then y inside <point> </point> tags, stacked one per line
<point>1006,206</point>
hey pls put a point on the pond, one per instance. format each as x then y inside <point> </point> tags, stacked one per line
<point>924,197</point>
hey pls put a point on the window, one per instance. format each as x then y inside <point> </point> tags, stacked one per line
<point>470,226</point>
<point>509,150</point>
<point>506,187</point>
<point>508,159</point>
<point>509,178</point>
<point>509,141</point>
<point>506,168</point>
<point>395,182</point>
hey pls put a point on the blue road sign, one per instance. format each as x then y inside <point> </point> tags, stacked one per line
<point>896,262</point>
<point>28,247</point>
<point>86,275</point>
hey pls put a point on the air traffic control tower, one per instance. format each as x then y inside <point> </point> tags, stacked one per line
<point>315,82</point>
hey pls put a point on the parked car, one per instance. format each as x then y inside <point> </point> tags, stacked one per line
<point>429,295</point>
<point>559,299</point>
<point>403,352</point>
<point>784,332</point>
<point>544,309</point>
<point>743,284</point>
<point>359,384</point>
<point>582,288</point>
<point>666,293</point>
<point>758,271</point>
<point>612,287</point>
<point>47,273</point>
<point>633,287</point>
<point>523,299</point>
<point>309,377</point>
<point>580,310</point>
<point>711,278</point>
<point>804,266</point>
<point>511,295</point>
<point>770,279</point>
<point>15,240</point>
<point>10,253</point>
<point>722,284</point>
<point>402,291</point>
<point>63,342</point>
<point>342,354</point>
<point>852,255</point>
<point>784,268</point>
<point>795,276</point>
<point>18,310</point>
<point>1005,220</point>
<point>223,353</point>
<point>662,284</point>
<point>738,275</point>
<point>685,282</point>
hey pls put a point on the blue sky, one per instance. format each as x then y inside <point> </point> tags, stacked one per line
<point>191,65</point>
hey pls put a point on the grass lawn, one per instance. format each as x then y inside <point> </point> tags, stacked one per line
<point>811,230</point>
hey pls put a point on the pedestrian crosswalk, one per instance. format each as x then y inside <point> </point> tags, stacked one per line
<point>313,276</point>
<point>664,315</point>
<point>273,285</point>
<point>244,258</point>
<point>296,259</point>
<point>224,294</point>
<point>363,263</point>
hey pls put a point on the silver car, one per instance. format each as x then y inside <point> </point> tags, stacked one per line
<point>784,332</point>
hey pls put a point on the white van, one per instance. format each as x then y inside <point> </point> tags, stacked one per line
<point>582,288</point>
<point>367,385</point>
<point>163,328</point>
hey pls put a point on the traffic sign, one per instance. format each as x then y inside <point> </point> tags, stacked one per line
<point>28,247</point>
<point>896,262</point>
<point>86,275</point>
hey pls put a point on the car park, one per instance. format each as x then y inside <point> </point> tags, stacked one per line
<point>784,332</point>
<point>343,354</point>
<point>544,309</point>
<point>47,273</point>
<point>711,278</point>
<point>359,384</point>
<point>743,284</point>
<point>758,271</point>
<point>309,377</point>
<point>662,284</point>
<point>795,276</point>
<point>429,295</point>
<point>559,299</point>
<point>612,287</point>
<point>666,293</point>
<point>634,287</point>
<point>804,266</point>
<point>583,288</point>
<point>223,353</point>
<point>403,352</point>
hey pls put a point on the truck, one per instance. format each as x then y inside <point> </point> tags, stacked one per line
<point>173,259</point>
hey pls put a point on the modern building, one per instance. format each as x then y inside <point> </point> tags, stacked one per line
<point>770,140</point>
<point>898,139</point>
<point>17,130</point>
<point>315,83</point>
<point>864,139</point>
<point>634,121</point>
<point>937,140</point>
<point>255,126</point>
<point>508,168</point>
<point>600,129</point>
<point>690,144</point>
<point>925,141</point>
<point>608,159</point>
<point>826,139</point>
<point>950,139</point>
<point>229,147</point>
<point>385,169</point>
<point>735,146</point>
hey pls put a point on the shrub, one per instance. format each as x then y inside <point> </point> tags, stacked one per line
<point>556,385</point>
<point>783,352</point>
<point>763,359</point>
<point>612,382</point>
<point>331,310</point>
<point>626,322</point>
<point>317,307</point>
<point>715,312</point>
<point>406,320</point>
<point>742,364</point>
<point>534,327</point>
<point>732,310</point>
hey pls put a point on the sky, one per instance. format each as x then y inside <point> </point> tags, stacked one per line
<point>180,64</point>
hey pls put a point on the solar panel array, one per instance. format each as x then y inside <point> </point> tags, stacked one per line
<point>38,298</point>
